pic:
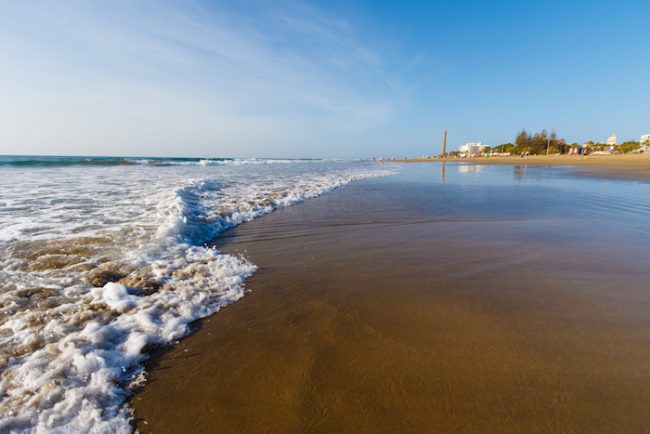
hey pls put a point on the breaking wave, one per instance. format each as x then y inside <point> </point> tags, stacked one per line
<point>47,161</point>
<point>99,266</point>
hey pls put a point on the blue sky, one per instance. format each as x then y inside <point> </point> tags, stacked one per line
<point>347,79</point>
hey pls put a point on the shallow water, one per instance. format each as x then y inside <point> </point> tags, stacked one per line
<point>538,197</point>
<point>102,258</point>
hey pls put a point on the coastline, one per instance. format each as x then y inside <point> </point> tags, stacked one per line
<point>617,166</point>
<point>370,313</point>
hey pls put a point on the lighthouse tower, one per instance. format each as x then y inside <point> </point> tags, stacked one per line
<point>444,143</point>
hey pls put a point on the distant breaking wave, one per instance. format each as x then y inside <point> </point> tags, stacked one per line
<point>51,161</point>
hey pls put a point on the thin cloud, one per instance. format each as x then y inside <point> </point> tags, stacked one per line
<point>286,64</point>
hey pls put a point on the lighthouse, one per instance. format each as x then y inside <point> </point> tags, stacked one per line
<point>444,143</point>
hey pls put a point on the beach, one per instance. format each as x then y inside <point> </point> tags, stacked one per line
<point>108,259</point>
<point>455,298</point>
<point>620,166</point>
<point>214,217</point>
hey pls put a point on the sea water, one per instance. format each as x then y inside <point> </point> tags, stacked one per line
<point>103,258</point>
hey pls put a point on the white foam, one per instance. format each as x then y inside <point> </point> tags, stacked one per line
<point>72,351</point>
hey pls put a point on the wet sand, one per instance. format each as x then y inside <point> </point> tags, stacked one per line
<point>374,312</point>
<point>617,166</point>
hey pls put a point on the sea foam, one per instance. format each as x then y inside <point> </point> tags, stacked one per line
<point>98,265</point>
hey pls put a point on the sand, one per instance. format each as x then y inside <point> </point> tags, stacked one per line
<point>370,314</point>
<point>623,166</point>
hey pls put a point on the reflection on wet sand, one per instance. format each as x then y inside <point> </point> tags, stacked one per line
<point>470,168</point>
<point>376,310</point>
<point>519,172</point>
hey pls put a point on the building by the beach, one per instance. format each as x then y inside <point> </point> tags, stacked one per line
<point>611,140</point>
<point>471,149</point>
<point>645,143</point>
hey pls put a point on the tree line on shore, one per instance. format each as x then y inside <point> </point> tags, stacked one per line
<point>542,142</point>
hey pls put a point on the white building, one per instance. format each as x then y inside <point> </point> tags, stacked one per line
<point>645,143</point>
<point>611,140</point>
<point>471,149</point>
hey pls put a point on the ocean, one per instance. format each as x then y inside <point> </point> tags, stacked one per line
<point>103,258</point>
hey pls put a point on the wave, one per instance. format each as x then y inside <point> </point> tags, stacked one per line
<point>74,351</point>
<point>47,161</point>
<point>56,162</point>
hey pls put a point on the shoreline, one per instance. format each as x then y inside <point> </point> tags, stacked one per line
<point>371,313</point>
<point>617,166</point>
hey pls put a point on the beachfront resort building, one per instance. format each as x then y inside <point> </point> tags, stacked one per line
<point>471,149</point>
<point>645,143</point>
<point>611,140</point>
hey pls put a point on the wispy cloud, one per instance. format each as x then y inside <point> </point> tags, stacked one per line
<point>237,72</point>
